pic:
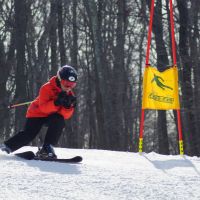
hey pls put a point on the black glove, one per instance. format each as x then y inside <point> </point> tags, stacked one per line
<point>60,99</point>
<point>70,101</point>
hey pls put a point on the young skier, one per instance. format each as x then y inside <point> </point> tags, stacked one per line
<point>54,104</point>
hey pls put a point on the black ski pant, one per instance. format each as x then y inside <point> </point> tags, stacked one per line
<point>54,122</point>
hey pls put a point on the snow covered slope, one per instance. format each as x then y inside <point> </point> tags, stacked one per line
<point>103,175</point>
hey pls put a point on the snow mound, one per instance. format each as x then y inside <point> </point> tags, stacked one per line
<point>102,175</point>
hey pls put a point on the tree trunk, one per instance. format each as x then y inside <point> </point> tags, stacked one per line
<point>119,84</point>
<point>20,75</point>
<point>53,38</point>
<point>187,89</point>
<point>195,51</point>
<point>99,83</point>
<point>162,62</point>
<point>72,125</point>
<point>3,94</point>
<point>63,59</point>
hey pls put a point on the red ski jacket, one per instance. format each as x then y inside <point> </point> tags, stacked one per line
<point>43,105</point>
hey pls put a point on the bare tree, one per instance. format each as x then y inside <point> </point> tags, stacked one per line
<point>190,134</point>
<point>20,74</point>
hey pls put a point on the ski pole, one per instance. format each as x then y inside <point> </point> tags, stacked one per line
<point>19,104</point>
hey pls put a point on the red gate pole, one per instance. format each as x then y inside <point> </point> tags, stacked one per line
<point>140,148</point>
<point>181,149</point>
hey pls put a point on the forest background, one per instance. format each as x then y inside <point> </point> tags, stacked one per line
<point>105,40</point>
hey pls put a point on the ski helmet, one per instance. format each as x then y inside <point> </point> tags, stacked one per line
<point>67,76</point>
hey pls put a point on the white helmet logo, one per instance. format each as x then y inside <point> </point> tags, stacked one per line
<point>71,78</point>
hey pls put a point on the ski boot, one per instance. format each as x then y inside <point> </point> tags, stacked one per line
<point>46,151</point>
<point>5,148</point>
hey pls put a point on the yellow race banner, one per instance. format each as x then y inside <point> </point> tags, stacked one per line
<point>160,89</point>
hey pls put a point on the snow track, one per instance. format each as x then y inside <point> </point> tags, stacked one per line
<point>102,175</point>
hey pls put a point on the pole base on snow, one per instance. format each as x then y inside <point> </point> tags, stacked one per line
<point>140,145</point>
<point>181,150</point>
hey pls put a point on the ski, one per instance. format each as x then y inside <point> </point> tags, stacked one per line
<point>29,155</point>
<point>75,159</point>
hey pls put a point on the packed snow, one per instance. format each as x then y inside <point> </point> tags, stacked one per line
<point>102,175</point>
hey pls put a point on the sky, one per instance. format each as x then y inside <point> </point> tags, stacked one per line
<point>102,175</point>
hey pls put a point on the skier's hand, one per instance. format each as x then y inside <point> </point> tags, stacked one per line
<point>60,99</point>
<point>70,101</point>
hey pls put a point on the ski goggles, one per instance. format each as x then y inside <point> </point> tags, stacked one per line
<point>68,84</point>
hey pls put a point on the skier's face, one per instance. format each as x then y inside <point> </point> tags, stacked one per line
<point>67,85</point>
